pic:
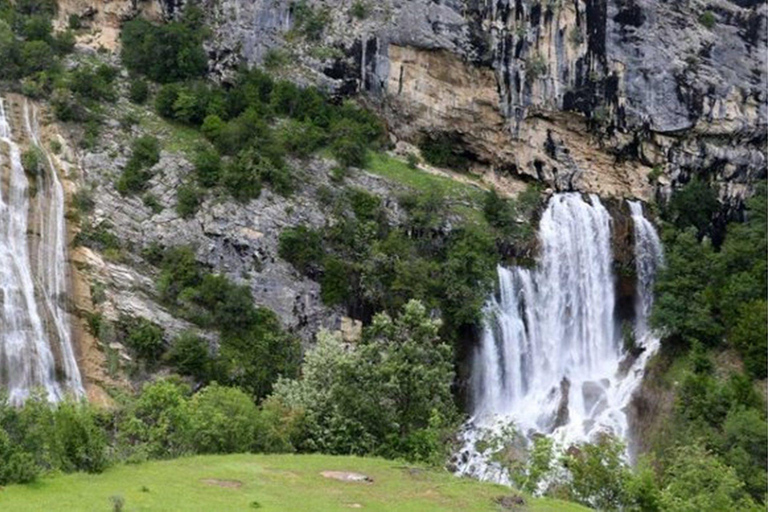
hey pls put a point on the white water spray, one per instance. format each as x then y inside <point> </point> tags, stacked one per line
<point>35,336</point>
<point>550,358</point>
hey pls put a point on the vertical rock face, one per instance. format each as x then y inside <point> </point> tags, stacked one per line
<point>540,87</point>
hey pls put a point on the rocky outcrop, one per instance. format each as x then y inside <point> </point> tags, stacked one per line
<point>586,94</point>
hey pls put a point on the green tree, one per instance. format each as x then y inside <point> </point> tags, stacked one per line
<point>190,355</point>
<point>696,481</point>
<point>36,56</point>
<point>222,420</point>
<point>156,425</point>
<point>599,476</point>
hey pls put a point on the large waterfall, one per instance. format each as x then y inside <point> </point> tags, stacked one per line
<point>35,332</point>
<point>551,359</point>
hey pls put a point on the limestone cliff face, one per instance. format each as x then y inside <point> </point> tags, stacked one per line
<point>582,94</point>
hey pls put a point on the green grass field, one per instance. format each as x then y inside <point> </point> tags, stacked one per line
<point>264,482</point>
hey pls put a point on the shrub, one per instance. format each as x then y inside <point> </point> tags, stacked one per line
<point>708,19</point>
<point>349,145</point>
<point>212,127</point>
<point>207,166</point>
<point>94,83</point>
<point>145,338</point>
<point>222,420</point>
<point>188,198</point>
<point>80,438</point>
<point>156,425</point>
<point>360,10</point>
<point>599,476</point>
<point>36,56</point>
<point>74,22</point>
<point>190,355</point>
<point>17,466</point>
<point>302,247</point>
<point>536,67</point>
<point>165,53</point>
<point>696,480</point>
<point>138,91</point>
<point>694,205</point>
<point>166,98</point>
<point>749,337</point>
<point>241,180</point>
<point>437,150</point>
<point>180,271</point>
<point>308,21</point>
<point>388,395</point>
<point>300,138</point>
<point>32,160</point>
<point>145,154</point>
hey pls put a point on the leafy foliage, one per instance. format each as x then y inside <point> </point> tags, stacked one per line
<point>145,153</point>
<point>254,351</point>
<point>390,395</point>
<point>168,52</point>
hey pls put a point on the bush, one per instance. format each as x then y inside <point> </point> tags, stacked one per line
<point>708,19</point>
<point>156,425</point>
<point>349,145</point>
<point>32,160</point>
<point>165,53</point>
<point>696,480</point>
<point>145,154</point>
<point>599,476</point>
<point>300,138</point>
<point>190,355</point>
<point>302,247</point>
<point>222,420</point>
<point>438,150</point>
<point>180,271</point>
<point>241,179</point>
<point>694,205</point>
<point>17,466</point>
<point>81,439</point>
<point>388,395</point>
<point>207,167</point>
<point>94,83</point>
<point>138,91</point>
<point>166,98</point>
<point>74,22</point>
<point>145,338</point>
<point>188,198</point>
<point>308,21</point>
<point>360,10</point>
<point>36,56</point>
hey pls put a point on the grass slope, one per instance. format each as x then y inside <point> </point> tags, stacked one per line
<point>269,483</point>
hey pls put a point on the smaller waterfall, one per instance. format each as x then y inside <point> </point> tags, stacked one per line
<point>648,257</point>
<point>35,335</point>
<point>550,359</point>
<point>52,257</point>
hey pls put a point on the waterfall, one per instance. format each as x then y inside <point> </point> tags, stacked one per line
<point>648,257</point>
<point>35,334</point>
<point>551,359</point>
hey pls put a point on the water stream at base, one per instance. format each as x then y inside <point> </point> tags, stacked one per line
<point>551,359</point>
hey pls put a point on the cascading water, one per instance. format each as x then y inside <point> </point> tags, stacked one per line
<point>550,358</point>
<point>35,335</point>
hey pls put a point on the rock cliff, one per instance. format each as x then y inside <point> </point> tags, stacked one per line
<point>583,94</point>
